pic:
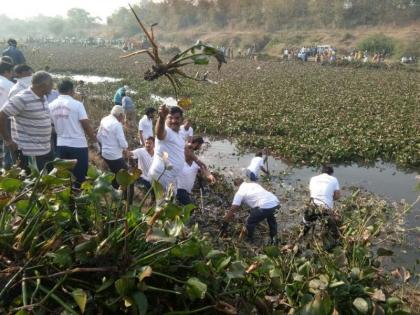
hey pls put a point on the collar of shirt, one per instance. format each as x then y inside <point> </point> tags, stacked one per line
<point>68,97</point>
<point>25,81</point>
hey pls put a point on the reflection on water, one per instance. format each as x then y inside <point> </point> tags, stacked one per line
<point>94,79</point>
<point>382,179</point>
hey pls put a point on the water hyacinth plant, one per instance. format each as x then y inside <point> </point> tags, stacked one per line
<point>91,253</point>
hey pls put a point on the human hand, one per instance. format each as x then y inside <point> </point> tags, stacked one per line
<point>163,111</point>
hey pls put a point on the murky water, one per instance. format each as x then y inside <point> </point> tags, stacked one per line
<point>382,179</point>
<point>94,79</point>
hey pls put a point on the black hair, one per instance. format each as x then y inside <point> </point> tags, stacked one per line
<point>12,41</point>
<point>175,110</point>
<point>198,140</point>
<point>5,67</point>
<point>151,138</point>
<point>327,169</point>
<point>259,153</point>
<point>18,69</point>
<point>65,86</point>
<point>149,110</point>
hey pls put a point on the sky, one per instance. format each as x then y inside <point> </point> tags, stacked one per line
<point>28,8</point>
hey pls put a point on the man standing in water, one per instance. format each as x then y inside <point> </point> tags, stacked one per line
<point>257,165</point>
<point>169,157</point>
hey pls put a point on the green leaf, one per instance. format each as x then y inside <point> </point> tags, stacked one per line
<point>61,164</point>
<point>93,172</point>
<point>214,252</point>
<point>158,190</point>
<point>384,252</point>
<point>196,289</point>
<point>22,206</point>
<point>80,297</point>
<point>63,257</point>
<point>124,286</point>
<point>361,305</point>
<point>105,285</point>
<point>318,306</point>
<point>223,263</point>
<point>124,178</point>
<point>236,270</point>
<point>10,184</point>
<point>141,302</point>
<point>200,60</point>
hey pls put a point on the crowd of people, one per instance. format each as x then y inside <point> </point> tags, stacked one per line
<point>39,123</point>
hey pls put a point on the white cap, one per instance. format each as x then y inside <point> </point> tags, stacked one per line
<point>117,110</point>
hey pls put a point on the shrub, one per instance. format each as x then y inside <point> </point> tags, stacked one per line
<point>378,42</point>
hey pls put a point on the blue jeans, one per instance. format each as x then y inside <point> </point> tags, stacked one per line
<point>82,157</point>
<point>257,215</point>
<point>251,176</point>
<point>183,197</point>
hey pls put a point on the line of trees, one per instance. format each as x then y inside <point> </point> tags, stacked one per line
<point>269,15</point>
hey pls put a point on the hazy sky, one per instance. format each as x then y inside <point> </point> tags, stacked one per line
<point>28,8</point>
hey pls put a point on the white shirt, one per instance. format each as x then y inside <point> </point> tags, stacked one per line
<point>256,164</point>
<point>66,114</point>
<point>174,146</point>
<point>185,134</point>
<point>20,85</point>
<point>187,176</point>
<point>146,126</point>
<point>5,86</point>
<point>322,189</point>
<point>254,196</point>
<point>111,136</point>
<point>144,161</point>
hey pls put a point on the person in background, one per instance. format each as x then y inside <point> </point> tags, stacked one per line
<point>119,94</point>
<point>13,52</point>
<point>144,157</point>
<point>6,84</point>
<point>31,127</point>
<point>257,165</point>
<point>169,157</point>
<point>72,126</point>
<point>146,125</point>
<point>82,92</point>
<point>187,176</point>
<point>129,110</point>
<point>186,131</point>
<point>23,76</point>
<point>264,206</point>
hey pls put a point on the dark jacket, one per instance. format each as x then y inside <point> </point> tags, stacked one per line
<point>15,54</point>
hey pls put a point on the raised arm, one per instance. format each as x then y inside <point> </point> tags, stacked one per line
<point>160,124</point>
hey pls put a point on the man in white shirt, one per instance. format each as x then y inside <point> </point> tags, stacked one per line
<point>169,157</point>
<point>72,126</point>
<point>112,139</point>
<point>6,84</point>
<point>186,131</point>
<point>324,189</point>
<point>257,165</point>
<point>186,178</point>
<point>146,125</point>
<point>23,74</point>
<point>264,206</point>
<point>144,157</point>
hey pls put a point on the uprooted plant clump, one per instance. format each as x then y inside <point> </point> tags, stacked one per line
<point>90,253</point>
